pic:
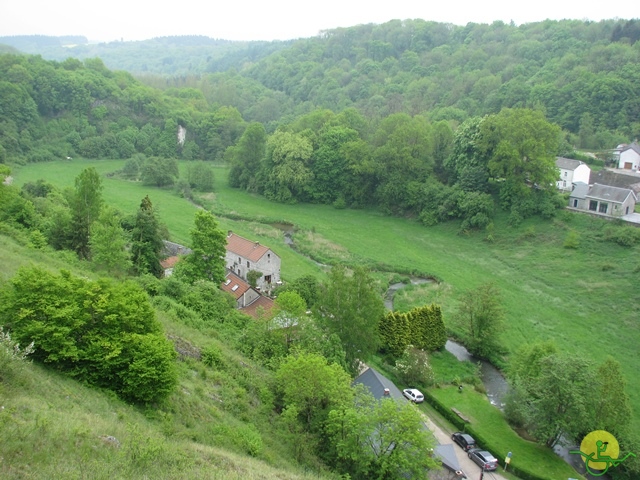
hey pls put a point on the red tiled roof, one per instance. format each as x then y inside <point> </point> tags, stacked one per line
<point>169,262</point>
<point>245,248</point>
<point>235,285</point>
<point>265,302</point>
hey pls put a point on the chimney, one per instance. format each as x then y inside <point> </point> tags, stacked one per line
<point>229,233</point>
<point>386,392</point>
<point>256,245</point>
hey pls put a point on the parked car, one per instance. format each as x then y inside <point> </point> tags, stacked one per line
<point>466,441</point>
<point>484,459</point>
<point>413,394</point>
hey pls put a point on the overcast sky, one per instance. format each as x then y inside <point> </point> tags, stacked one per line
<point>273,19</point>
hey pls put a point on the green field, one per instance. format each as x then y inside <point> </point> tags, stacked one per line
<point>585,299</point>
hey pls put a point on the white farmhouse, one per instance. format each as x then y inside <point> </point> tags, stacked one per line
<point>571,171</point>
<point>629,157</point>
<point>244,256</point>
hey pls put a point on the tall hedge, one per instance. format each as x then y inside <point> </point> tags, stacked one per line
<point>100,332</point>
<point>422,327</point>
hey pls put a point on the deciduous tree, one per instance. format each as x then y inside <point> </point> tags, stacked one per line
<point>382,439</point>
<point>521,146</point>
<point>85,207</point>
<point>481,315</point>
<point>100,332</point>
<point>208,243</point>
<point>313,387</point>
<point>350,307</point>
<point>108,243</point>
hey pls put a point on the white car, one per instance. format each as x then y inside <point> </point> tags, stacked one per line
<point>413,394</point>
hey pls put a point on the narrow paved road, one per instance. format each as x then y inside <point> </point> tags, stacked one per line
<point>471,470</point>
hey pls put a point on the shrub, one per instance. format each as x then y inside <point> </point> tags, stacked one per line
<point>11,355</point>
<point>100,332</point>
<point>414,367</point>
<point>571,240</point>
<point>212,357</point>
<point>623,236</point>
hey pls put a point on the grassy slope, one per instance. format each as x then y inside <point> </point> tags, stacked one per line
<point>211,427</point>
<point>584,299</point>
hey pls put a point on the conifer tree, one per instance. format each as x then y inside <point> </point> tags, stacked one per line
<point>146,243</point>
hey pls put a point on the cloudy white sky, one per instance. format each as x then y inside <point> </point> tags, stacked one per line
<point>272,19</point>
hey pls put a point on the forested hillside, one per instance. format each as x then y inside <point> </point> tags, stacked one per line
<point>174,55</point>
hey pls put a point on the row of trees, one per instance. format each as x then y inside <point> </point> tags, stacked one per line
<point>406,165</point>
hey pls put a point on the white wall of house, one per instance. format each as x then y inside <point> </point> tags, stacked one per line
<point>629,160</point>
<point>567,177</point>
<point>582,174</point>
<point>269,265</point>
<point>247,298</point>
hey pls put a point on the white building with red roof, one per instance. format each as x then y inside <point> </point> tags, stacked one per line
<point>244,255</point>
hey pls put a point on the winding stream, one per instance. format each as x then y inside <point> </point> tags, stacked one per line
<point>494,382</point>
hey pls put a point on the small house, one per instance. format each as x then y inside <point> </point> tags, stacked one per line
<point>603,200</point>
<point>248,300</point>
<point>571,171</point>
<point>629,157</point>
<point>240,290</point>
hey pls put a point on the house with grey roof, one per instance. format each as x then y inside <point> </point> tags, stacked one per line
<point>603,200</point>
<point>629,157</point>
<point>571,171</point>
<point>382,388</point>
<point>617,178</point>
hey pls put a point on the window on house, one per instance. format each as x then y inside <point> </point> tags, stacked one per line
<point>593,205</point>
<point>267,278</point>
<point>239,260</point>
<point>627,211</point>
<point>248,264</point>
<point>603,207</point>
<point>234,288</point>
<point>564,183</point>
<point>575,203</point>
<point>565,174</point>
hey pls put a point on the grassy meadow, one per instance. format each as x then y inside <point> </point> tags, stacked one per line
<point>585,299</point>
